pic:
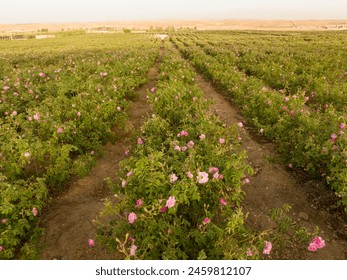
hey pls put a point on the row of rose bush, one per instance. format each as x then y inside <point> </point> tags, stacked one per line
<point>180,188</point>
<point>288,62</point>
<point>56,111</point>
<point>308,139</point>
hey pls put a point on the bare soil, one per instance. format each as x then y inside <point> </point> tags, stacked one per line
<point>70,220</point>
<point>274,185</point>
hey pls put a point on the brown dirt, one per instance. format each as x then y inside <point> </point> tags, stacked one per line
<point>273,185</point>
<point>70,219</point>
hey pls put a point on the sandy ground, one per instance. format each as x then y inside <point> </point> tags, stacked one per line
<point>198,24</point>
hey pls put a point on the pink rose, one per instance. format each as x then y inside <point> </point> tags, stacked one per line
<point>267,248</point>
<point>222,201</point>
<point>35,212</point>
<point>91,242</point>
<point>170,202</point>
<point>132,217</point>
<point>133,250</point>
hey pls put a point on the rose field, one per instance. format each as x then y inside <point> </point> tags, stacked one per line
<point>203,145</point>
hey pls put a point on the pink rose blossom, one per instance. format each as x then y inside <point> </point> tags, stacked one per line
<point>3,221</point>
<point>215,175</point>
<point>221,140</point>
<point>222,201</point>
<point>189,175</point>
<point>291,113</point>
<point>27,154</point>
<point>126,153</point>
<point>132,239</point>
<point>342,126</point>
<point>124,183</point>
<point>249,253</point>
<point>202,136</point>
<point>213,169</point>
<point>36,116</point>
<point>1,248</point>
<point>316,243</point>
<point>286,99</point>
<point>284,108</point>
<point>129,173</point>
<point>190,144</point>
<point>173,178</point>
<point>59,130</point>
<point>333,136</point>
<point>133,250</point>
<point>119,109</point>
<point>139,141</point>
<point>132,217</point>
<point>170,202</point>
<point>240,124</point>
<point>177,148</point>
<point>35,212</point>
<point>207,221</point>
<point>184,148</point>
<point>91,242</point>
<point>202,177</point>
<point>163,209</point>
<point>78,114</point>
<point>267,248</point>
<point>312,247</point>
<point>246,181</point>
<point>138,202</point>
<point>184,133</point>
<point>14,113</point>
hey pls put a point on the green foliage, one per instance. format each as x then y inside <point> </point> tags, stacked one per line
<point>165,164</point>
<point>60,101</point>
<point>288,92</point>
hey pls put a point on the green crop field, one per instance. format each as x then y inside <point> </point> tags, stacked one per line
<point>181,188</point>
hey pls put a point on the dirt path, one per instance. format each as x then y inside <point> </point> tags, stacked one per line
<point>69,221</point>
<point>274,185</point>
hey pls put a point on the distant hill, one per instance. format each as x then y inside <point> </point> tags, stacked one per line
<point>196,24</point>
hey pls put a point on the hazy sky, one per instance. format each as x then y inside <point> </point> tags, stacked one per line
<point>32,11</point>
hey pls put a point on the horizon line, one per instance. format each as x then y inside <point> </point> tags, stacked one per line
<point>172,19</point>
